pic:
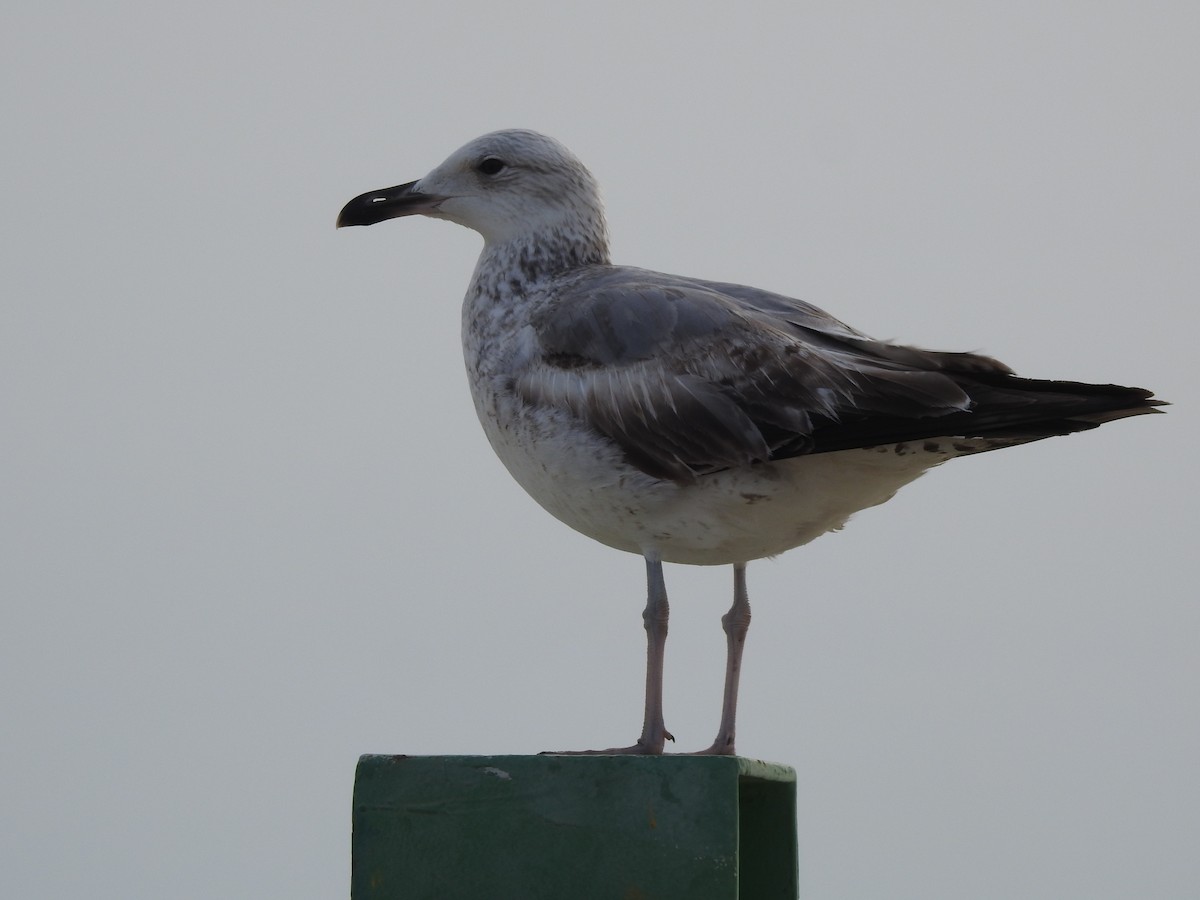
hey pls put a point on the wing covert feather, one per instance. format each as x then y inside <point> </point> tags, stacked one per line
<point>688,378</point>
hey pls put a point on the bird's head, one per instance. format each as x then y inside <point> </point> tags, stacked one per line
<point>507,185</point>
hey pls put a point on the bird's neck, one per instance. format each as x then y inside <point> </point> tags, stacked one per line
<point>513,265</point>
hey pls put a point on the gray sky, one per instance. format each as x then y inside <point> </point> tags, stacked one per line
<point>251,528</point>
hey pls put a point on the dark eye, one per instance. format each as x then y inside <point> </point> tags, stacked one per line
<point>491,165</point>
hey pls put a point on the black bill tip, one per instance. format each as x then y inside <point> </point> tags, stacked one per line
<point>389,203</point>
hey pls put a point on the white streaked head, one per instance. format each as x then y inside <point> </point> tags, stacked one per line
<point>508,185</point>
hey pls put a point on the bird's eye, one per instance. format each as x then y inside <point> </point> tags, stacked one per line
<point>491,165</point>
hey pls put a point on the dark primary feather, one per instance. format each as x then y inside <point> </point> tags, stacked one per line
<point>689,376</point>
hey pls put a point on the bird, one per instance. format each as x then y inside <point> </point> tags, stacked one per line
<point>687,420</point>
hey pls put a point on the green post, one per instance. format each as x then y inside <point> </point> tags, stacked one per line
<point>573,828</point>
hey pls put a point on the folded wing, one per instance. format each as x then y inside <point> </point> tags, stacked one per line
<point>690,377</point>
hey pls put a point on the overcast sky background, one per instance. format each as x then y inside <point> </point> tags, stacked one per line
<point>251,528</point>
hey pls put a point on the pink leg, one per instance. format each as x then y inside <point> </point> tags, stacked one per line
<point>654,730</point>
<point>736,623</point>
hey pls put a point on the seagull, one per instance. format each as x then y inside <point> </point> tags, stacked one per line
<point>693,421</point>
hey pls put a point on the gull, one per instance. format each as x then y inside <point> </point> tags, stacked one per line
<point>694,421</point>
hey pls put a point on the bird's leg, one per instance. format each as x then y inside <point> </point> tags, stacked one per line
<point>654,730</point>
<point>736,623</point>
